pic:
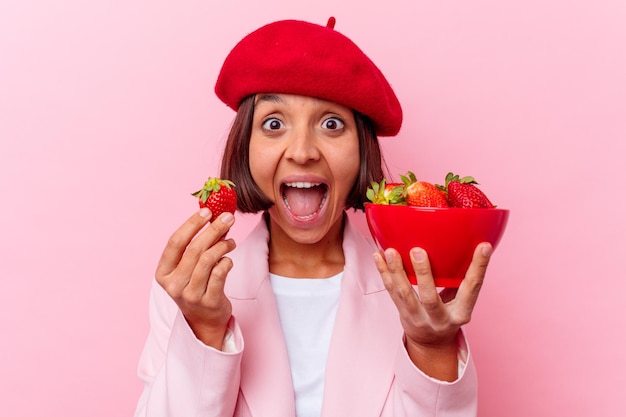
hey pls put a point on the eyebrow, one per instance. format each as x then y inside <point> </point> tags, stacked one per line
<point>274,98</point>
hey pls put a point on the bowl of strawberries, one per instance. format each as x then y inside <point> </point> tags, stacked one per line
<point>448,221</point>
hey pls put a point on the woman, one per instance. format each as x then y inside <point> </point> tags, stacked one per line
<point>298,319</point>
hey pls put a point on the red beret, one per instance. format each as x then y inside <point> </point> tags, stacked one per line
<point>295,57</point>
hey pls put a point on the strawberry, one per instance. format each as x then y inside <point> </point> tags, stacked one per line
<point>462,192</point>
<point>422,193</point>
<point>218,196</point>
<point>386,193</point>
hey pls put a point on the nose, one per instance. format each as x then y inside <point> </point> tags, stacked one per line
<point>302,146</point>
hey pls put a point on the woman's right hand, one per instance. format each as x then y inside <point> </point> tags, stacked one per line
<point>193,270</point>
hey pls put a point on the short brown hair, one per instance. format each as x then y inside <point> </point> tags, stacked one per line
<point>236,161</point>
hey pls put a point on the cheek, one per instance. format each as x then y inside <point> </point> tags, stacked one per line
<point>262,169</point>
<point>351,173</point>
<point>347,169</point>
<point>258,168</point>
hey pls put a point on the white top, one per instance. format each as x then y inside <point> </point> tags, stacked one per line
<point>307,309</point>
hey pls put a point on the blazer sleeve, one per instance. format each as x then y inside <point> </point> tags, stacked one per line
<point>182,376</point>
<point>417,394</point>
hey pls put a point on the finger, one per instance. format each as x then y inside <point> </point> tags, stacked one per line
<point>426,288</point>
<point>474,278</point>
<point>179,241</point>
<point>206,264</point>
<point>388,264</point>
<point>215,288</point>
<point>391,269</point>
<point>381,265</point>
<point>203,241</point>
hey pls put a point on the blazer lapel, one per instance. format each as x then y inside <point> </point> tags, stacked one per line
<point>266,381</point>
<point>365,338</point>
<point>265,374</point>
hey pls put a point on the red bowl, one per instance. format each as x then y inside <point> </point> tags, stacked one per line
<point>449,235</point>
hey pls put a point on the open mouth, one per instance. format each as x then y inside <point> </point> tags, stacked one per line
<point>304,200</point>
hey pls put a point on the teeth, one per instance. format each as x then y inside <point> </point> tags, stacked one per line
<point>302,184</point>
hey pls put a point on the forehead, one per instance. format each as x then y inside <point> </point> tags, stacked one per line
<point>292,99</point>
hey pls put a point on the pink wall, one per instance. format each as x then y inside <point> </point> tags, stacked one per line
<point>108,121</point>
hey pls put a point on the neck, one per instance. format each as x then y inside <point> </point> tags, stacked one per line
<point>322,259</point>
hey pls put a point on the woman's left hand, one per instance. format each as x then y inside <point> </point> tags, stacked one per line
<point>432,319</point>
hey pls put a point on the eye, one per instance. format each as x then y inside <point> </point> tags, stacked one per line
<point>272,124</point>
<point>333,123</point>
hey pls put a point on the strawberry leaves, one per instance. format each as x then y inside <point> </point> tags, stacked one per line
<point>386,193</point>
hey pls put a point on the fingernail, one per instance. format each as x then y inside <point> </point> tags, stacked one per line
<point>486,250</point>
<point>227,217</point>
<point>204,212</point>
<point>418,254</point>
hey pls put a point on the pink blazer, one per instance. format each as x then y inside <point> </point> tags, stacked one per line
<point>368,370</point>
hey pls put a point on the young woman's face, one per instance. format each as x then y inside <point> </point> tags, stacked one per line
<point>304,156</point>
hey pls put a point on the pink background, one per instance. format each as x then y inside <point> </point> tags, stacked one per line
<point>108,121</point>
